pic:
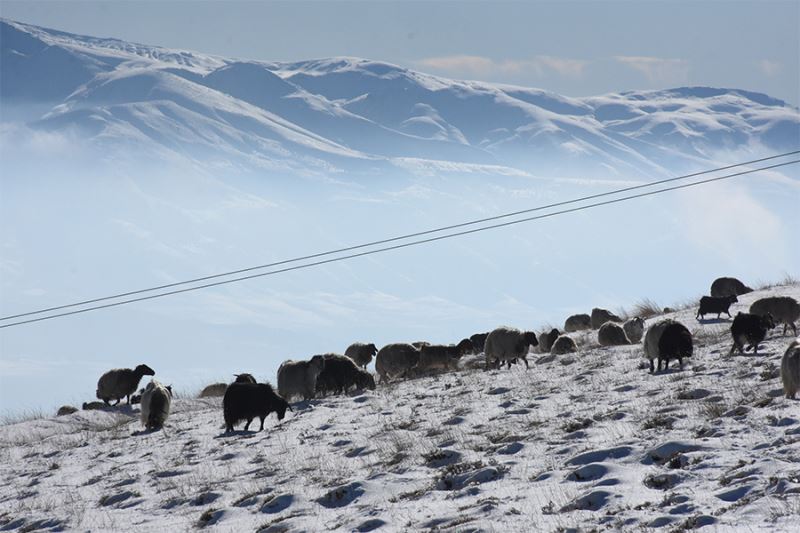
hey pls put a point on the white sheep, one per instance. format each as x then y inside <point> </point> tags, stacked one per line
<point>563,344</point>
<point>634,329</point>
<point>611,334</point>
<point>156,402</point>
<point>790,369</point>
<point>506,345</point>
<point>299,378</point>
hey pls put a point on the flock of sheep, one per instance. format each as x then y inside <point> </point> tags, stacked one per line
<point>245,399</point>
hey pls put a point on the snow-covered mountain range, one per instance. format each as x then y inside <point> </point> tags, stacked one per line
<point>353,114</point>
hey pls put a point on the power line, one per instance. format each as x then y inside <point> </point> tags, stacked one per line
<point>395,239</point>
<point>404,245</point>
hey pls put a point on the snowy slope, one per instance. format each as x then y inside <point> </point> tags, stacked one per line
<point>589,440</point>
<point>351,114</point>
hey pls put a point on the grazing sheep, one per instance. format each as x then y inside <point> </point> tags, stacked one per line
<point>611,334</point>
<point>716,304</point>
<point>441,357</point>
<point>244,378</point>
<point>215,389</point>
<point>245,401</point>
<point>121,383</point>
<point>790,369</point>
<point>563,344</point>
<point>361,353</point>
<point>396,360</point>
<point>601,316</point>
<point>784,310</point>
<point>668,339</point>
<point>478,341</point>
<point>546,339</point>
<point>728,287</point>
<point>92,406</point>
<point>339,373</point>
<point>66,410</point>
<point>577,323</point>
<point>299,378</point>
<point>507,344</point>
<point>749,328</point>
<point>156,401</point>
<point>634,329</point>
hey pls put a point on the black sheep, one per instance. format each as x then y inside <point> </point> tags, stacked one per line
<point>339,373</point>
<point>750,328</point>
<point>245,401</point>
<point>713,304</point>
<point>675,343</point>
<point>478,340</point>
<point>728,286</point>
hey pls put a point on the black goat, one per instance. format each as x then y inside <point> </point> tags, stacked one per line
<point>714,304</point>
<point>245,401</point>
<point>750,328</point>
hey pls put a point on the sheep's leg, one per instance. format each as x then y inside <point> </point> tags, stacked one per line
<point>720,314</point>
<point>652,368</point>
<point>755,349</point>
<point>247,426</point>
<point>118,400</point>
<point>680,362</point>
<point>262,424</point>
<point>526,363</point>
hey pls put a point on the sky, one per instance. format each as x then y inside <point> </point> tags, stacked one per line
<point>570,47</point>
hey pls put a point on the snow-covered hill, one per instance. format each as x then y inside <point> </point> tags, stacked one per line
<point>355,114</point>
<point>589,441</point>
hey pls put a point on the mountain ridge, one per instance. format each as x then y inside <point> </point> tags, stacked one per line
<point>345,113</point>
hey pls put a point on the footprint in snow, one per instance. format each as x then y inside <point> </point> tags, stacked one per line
<point>341,496</point>
<point>591,501</point>
<point>370,525</point>
<point>278,503</point>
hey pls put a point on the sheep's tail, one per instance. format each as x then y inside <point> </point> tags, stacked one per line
<point>158,411</point>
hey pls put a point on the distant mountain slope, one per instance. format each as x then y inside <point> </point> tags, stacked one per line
<point>349,114</point>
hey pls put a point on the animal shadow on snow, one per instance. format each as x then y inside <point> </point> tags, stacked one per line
<point>710,321</point>
<point>239,433</point>
<point>141,432</point>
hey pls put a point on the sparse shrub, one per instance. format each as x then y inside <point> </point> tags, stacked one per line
<point>659,421</point>
<point>577,424</point>
<point>645,308</point>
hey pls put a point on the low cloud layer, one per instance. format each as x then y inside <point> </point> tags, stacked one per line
<point>541,65</point>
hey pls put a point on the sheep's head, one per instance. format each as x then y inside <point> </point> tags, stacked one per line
<point>144,370</point>
<point>637,321</point>
<point>529,338</point>
<point>282,406</point>
<point>465,347</point>
<point>733,299</point>
<point>365,381</point>
<point>767,321</point>
<point>244,378</point>
<point>372,349</point>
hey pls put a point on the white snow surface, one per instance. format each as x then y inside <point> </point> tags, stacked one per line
<point>352,114</point>
<point>590,440</point>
